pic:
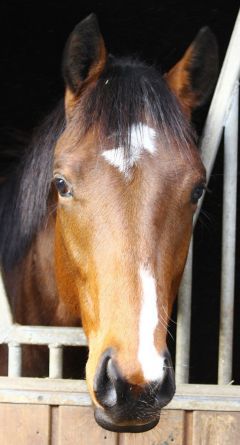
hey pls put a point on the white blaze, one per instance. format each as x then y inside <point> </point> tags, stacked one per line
<point>151,361</point>
<point>142,138</point>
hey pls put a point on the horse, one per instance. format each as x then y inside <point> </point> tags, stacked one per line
<point>97,218</point>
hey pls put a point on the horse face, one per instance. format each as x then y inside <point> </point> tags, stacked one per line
<point>121,243</point>
<point>123,227</point>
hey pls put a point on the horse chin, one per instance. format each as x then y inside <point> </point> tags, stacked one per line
<point>103,419</point>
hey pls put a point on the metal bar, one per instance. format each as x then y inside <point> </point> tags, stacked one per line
<point>44,391</point>
<point>184,322</point>
<point>42,335</point>
<point>6,318</point>
<point>189,397</point>
<point>228,244</point>
<point>74,392</point>
<point>209,144</point>
<point>14,360</point>
<point>55,361</point>
<point>218,111</point>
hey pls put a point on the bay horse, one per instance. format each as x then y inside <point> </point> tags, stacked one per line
<point>96,221</point>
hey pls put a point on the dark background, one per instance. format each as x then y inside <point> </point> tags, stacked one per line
<point>32,36</point>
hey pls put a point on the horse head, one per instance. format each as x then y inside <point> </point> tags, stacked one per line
<point>128,177</point>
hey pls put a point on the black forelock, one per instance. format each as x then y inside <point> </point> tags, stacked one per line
<point>128,92</point>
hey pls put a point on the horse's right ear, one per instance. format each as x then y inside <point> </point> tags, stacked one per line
<point>84,57</point>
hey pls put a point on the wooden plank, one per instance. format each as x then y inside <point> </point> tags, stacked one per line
<point>169,431</point>
<point>54,425</point>
<point>188,428</point>
<point>216,428</point>
<point>24,424</point>
<point>78,426</point>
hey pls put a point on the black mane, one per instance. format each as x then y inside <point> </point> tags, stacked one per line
<point>128,92</point>
<point>24,195</point>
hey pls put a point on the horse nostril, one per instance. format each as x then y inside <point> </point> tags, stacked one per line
<point>166,365</point>
<point>105,382</point>
<point>109,386</point>
<point>167,384</point>
<point>120,385</point>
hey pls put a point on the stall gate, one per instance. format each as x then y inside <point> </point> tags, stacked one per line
<point>58,412</point>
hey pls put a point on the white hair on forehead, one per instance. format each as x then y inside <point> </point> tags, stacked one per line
<point>141,138</point>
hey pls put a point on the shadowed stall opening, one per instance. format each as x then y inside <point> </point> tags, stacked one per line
<point>104,201</point>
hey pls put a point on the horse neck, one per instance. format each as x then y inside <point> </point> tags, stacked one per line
<point>31,284</point>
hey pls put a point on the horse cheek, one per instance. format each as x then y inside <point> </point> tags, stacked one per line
<point>66,282</point>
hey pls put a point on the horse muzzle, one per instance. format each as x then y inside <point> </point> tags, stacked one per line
<point>105,421</point>
<point>126,407</point>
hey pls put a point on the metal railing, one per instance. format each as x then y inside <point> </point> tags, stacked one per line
<point>222,118</point>
<point>223,114</point>
<point>15,335</point>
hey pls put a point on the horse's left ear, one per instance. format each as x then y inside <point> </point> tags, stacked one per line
<point>84,57</point>
<point>193,78</point>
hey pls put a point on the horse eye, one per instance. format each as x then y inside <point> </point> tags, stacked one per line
<point>197,193</point>
<point>63,188</point>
